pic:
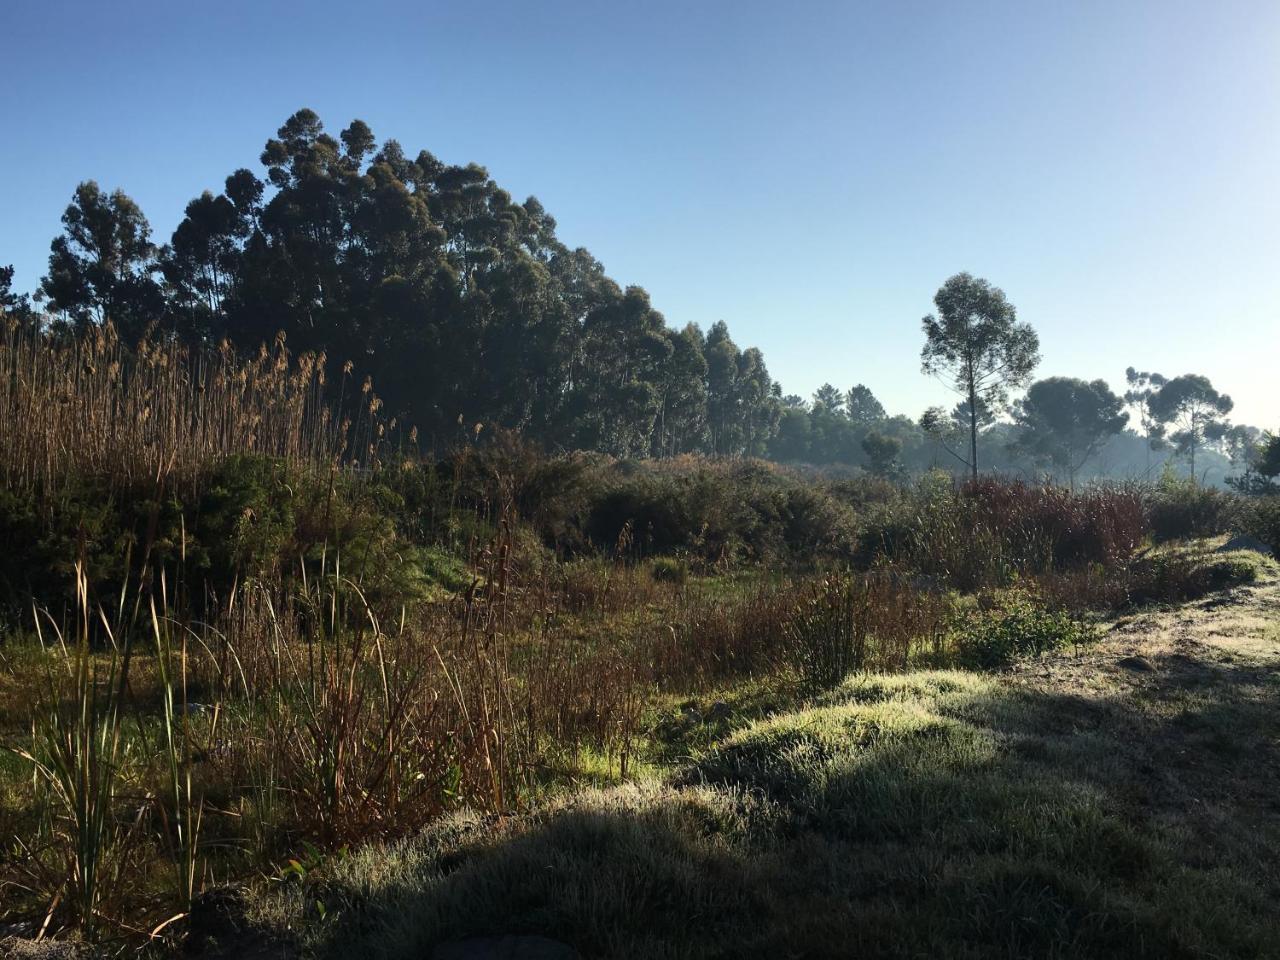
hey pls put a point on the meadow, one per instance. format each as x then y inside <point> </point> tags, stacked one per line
<point>273,676</point>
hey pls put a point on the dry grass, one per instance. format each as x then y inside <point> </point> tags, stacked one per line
<point>90,406</point>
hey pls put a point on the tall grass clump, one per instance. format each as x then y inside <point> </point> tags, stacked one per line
<point>77,756</point>
<point>990,532</point>
<point>827,633</point>
<point>844,622</point>
<point>160,413</point>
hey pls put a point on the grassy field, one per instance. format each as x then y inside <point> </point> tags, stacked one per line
<point>303,690</point>
<point>1122,800</point>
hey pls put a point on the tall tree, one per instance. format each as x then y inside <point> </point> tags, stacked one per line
<point>1063,421</point>
<point>1193,411</point>
<point>976,345</point>
<point>682,423</point>
<point>1142,387</point>
<point>618,396</point>
<point>791,444</point>
<point>458,300</point>
<point>862,406</point>
<point>829,400</point>
<point>14,306</point>
<point>882,453</point>
<point>101,267</point>
<point>947,431</point>
<point>1240,443</point>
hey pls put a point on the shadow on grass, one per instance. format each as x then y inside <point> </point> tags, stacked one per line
<point>933,814</point>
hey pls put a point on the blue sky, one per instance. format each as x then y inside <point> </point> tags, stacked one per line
<point>809,172</point>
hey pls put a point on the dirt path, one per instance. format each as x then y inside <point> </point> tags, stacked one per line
<point>1189,699</point>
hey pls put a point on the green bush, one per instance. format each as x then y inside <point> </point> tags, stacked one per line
<point>1017,625</point>
<point>1181,575</point>
<point>253,516</point>
<point>246,519</point>
<point>716,513</point>
<point>1260,518</point>
<point>1230,572</point>
<point>669,570</point>
<point>1179,508</point>
<point>108,532</point>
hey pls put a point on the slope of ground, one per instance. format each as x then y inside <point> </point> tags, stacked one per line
<point>1120,801</point>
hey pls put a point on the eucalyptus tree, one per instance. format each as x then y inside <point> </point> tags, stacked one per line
<point>793,441</point>
<point>1192,412</point>
<point>14,307</point>
<point>458,300</point>
<point>723,395</point>
<point>945,431</point>
<point>101,267</point>
<point>617,400</point>
<point>1143,385</point>
<point>202,263</point>
<point>976,345</point>
<point>682,412</point>
<point>1062,422</point>
<point>1240,443</point>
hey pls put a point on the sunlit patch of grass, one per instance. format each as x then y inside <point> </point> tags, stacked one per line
<point>938,813</point>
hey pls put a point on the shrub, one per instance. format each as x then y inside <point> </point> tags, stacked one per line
<point>1018,625</point>
<point>669,570</point>
<point>846,622</point>
<point>1260,518</point>
<point>989,532</point>
<point>1177,576</point>
<point>826,636</point>
<point>1181,509</point>
<point>715,512</point>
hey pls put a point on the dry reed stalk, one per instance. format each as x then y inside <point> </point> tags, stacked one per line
<point>91,405</point>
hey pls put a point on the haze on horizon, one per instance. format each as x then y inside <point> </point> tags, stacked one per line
<point>810,177</point>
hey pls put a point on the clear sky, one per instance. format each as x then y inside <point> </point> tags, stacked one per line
<point>809,172</point>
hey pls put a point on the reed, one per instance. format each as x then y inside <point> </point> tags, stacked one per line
<point>77,755</point>
<point>160,413</point>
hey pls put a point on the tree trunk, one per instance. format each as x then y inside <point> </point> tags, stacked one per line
<point>973,428</point>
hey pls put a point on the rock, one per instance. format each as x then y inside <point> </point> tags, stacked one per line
<point>1137,664</point>
<point>718,711</point>
<point>1242,541</point>
<point>505,948</point>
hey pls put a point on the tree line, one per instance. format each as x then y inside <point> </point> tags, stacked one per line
<point>461,303</point>
<point>466,310</point>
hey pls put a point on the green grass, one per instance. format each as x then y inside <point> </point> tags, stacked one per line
<point>930,814</point>
<point>1062,807</point>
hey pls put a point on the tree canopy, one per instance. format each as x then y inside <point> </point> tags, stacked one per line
<point>1191,412</point>
<point>976,345</point>
<point>1062,422</point>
